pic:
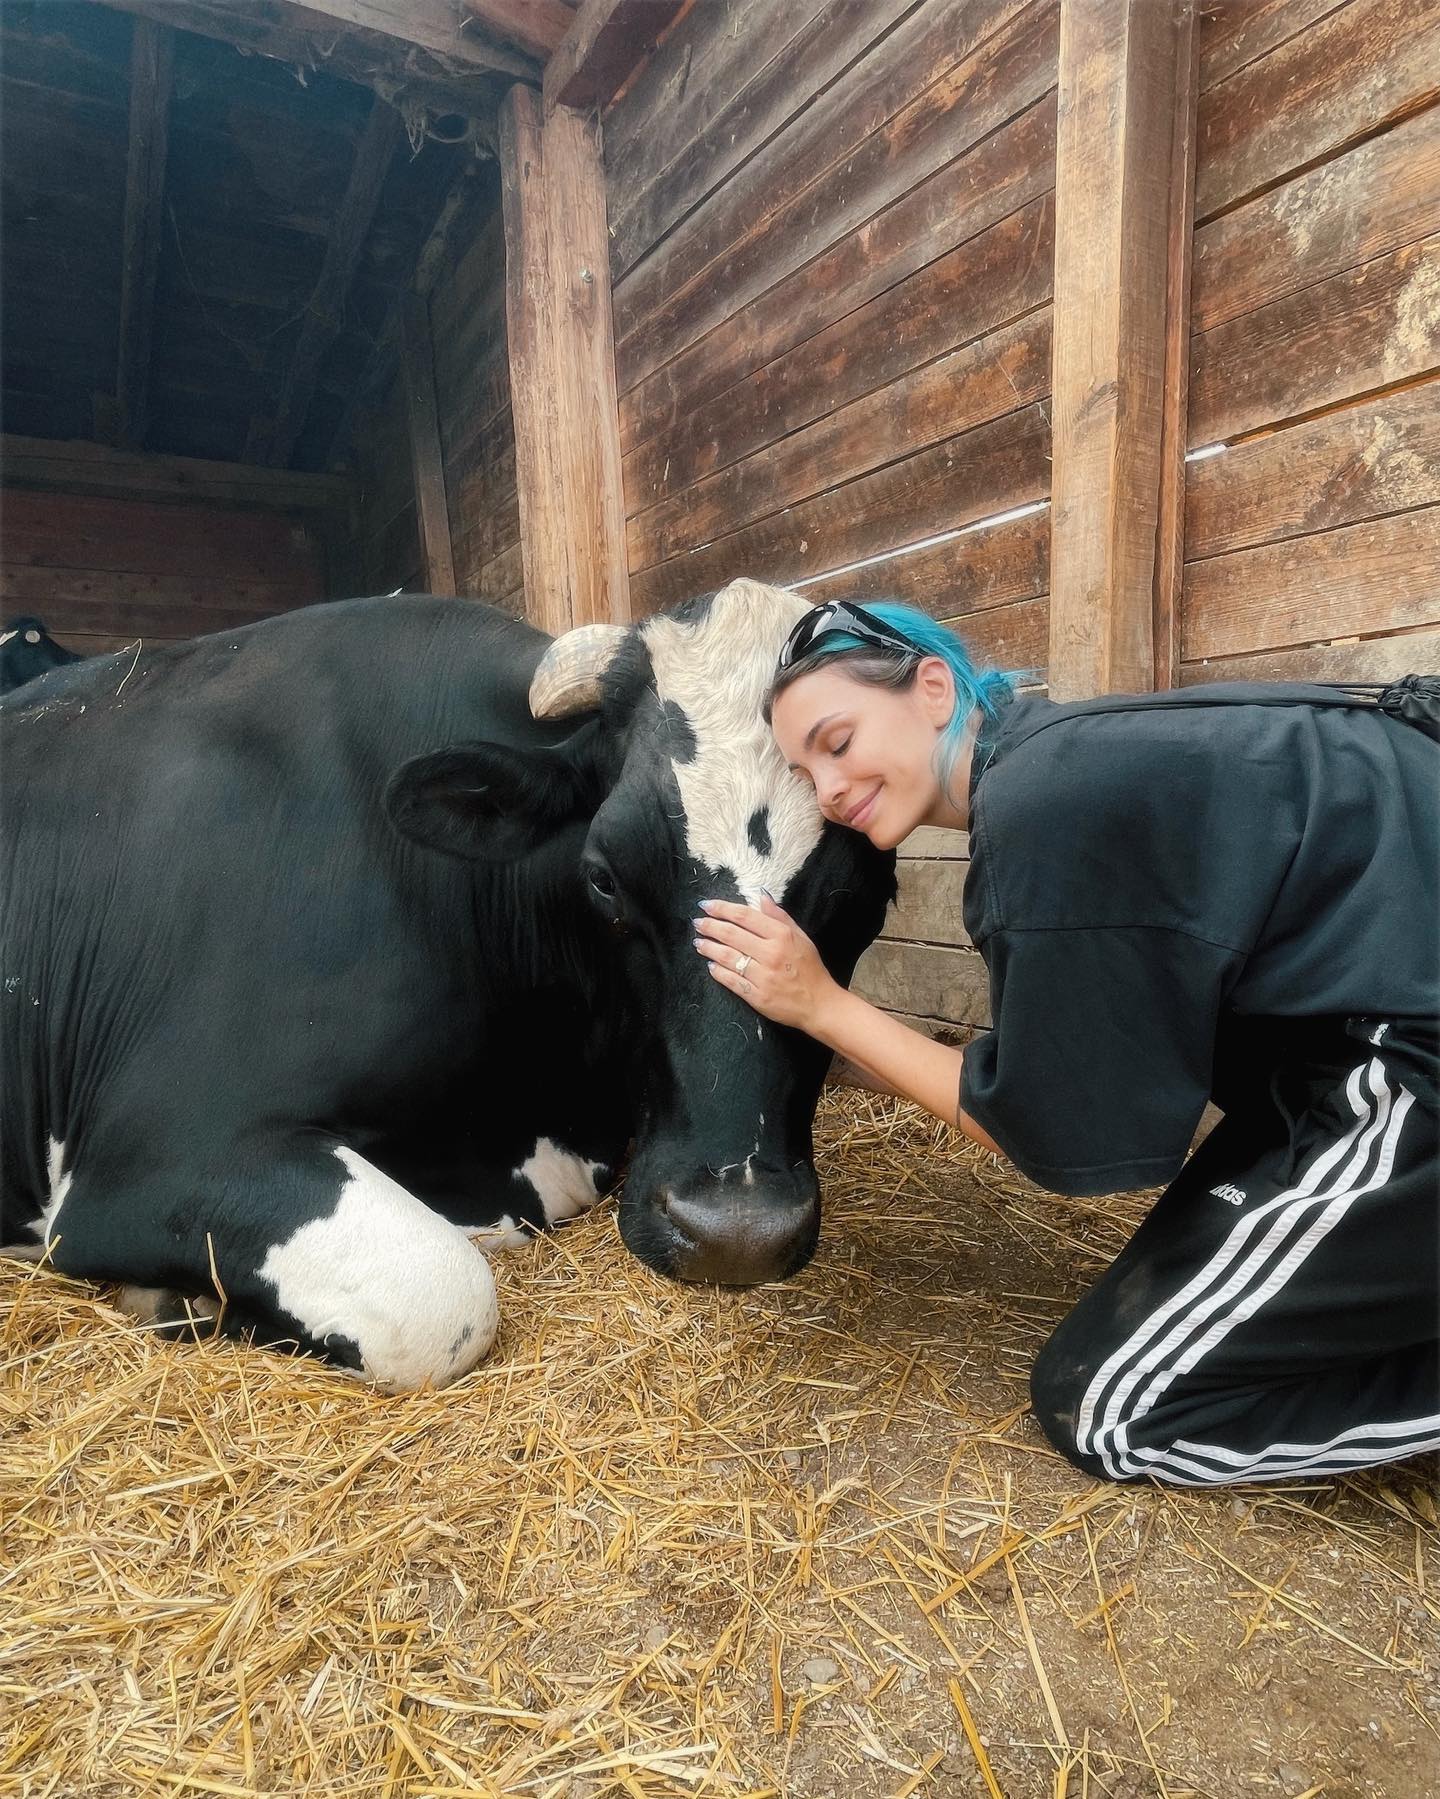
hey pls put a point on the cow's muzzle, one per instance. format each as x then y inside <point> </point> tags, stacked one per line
<point>729,1234</point>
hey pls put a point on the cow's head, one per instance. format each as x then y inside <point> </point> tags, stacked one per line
<point>686,798</point>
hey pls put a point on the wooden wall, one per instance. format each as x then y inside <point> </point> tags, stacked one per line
<point>102,569</point>
<point>1312,543</point>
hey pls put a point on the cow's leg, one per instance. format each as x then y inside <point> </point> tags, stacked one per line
<point>502,1203</point>
<point>309,1243</point>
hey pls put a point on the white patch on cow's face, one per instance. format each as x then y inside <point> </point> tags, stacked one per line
<point>60,1183</point>
<point>396,1279</point>
<point>716,670</point>
<point>565,1183</point>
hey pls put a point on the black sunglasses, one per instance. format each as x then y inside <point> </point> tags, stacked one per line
<point>838,617</point>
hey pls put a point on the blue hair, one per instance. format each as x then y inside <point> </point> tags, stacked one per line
<point>987,689</point>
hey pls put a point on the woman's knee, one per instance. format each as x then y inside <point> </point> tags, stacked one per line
<point>1062,1376</point>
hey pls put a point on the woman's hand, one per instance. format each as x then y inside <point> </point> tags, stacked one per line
<point>780,972</point>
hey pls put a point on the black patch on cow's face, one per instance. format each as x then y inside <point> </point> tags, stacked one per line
<point>679,733</point>
<point>757,829</point>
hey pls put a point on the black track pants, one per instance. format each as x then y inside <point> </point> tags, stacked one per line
<point>1278,1311</point>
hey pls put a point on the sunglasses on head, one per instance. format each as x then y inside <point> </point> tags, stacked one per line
<point>840,618</point>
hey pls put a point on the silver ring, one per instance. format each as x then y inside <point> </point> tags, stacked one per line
<point>741,964</point>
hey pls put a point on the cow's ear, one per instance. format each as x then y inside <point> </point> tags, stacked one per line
<point>485,801</point>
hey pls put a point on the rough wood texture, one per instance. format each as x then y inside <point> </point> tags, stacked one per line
<point>417,365</point>
<point>601,47</point>
<point>152,63</point>
<point>562,366</point>
<point>533,26</point>
<point>1123,95</point>
<point>996,466</point>
<point>928,907</point>
<point>1344,467</point>
<point>1353,659</point>
<point>325,312</point>
<point>803,321</point>
<point>1236,32</point>
<point>1351,582</point>
<point>1371,201</point>
<point>938,982</point>
<point>410,48</point>
<point>964,575</point>
<point>1347,74</point>
<point>1368,328</point>
<point>91,468</point>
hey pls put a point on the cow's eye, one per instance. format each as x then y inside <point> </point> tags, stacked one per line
<point>604,889</point>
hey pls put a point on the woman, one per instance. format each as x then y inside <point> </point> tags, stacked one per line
<point>1226,893</point>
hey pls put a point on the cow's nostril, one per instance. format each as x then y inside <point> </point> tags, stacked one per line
<point>735,1241</point>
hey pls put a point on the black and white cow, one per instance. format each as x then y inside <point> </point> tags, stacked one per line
<point>26,650</point>
<point>329,943</point>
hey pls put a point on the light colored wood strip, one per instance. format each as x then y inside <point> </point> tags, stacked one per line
<point>927,980</point>
<point>1355,659</point>
<point>1125,82</point>
<point>929,906</point>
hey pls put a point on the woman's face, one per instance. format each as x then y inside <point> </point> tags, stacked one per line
<point>869,751</point>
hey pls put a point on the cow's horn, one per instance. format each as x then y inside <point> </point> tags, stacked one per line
<point>568,678</point>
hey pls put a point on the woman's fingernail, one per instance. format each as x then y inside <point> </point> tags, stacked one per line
<point>707,905</point>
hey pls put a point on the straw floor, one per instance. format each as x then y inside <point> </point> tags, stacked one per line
<point>800,1540</point>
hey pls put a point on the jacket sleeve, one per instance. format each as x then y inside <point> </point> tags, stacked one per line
<point>1099,1062</point>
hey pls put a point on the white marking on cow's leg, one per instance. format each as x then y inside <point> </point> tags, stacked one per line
<point>387,1274</point>
<point>505,1233</point>
<point>60,1184</point>
<point>564,1183</point>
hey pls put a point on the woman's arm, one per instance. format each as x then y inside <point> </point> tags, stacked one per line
<point>785,980</point>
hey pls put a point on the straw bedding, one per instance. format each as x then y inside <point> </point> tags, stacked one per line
<point>798,1540</point>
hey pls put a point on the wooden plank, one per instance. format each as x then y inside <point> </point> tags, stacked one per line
<point>965,574</point>
<point>937,982</point>
<point>1368,328</point>
<point>1358,68</point>
<point>152,65</point>
<point>734,248</point>
<point>730,79</point>
<point>532,26</point>
<point>982,380</point>
<point>1356,581</point>
<point>47,590</point>
<point>603,44</point>
<point>91,468</point>
<point>138,618</point>
<point>1373,200</point>
<point>1354,659</point>
<point>1014,638</point>
<point>562,366</point>
<point>928,841</point>
<point>1125,90</point>
<point>929,906</point>
<point>804,320</point>
<point>1236,32</point>
<point>427,467</point>
<point>394,46</point>
<point>982,284</point>
<point>325,311</point>
<point>987,470</point>
<point>1339,469</point>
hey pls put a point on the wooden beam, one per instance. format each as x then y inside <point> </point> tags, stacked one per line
<point>325,311</point>
<point>533,26</point>
<point>82,467</point>
<point>600,49</point>
<point>427,463</point>
<point>562,366</point>
<point>152,63</point>
<point>404,49</point>
<point>1124,171</point>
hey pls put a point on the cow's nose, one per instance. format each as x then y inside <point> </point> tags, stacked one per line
<point>739,1240</point>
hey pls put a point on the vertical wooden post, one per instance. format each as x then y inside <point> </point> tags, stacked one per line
<point>562,366</point>
<point>427,464</point>
<point>1124,186</point>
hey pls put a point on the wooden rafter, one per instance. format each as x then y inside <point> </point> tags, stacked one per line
<point>1124,173</point>
<point>427,463</point>
<point>75,466</point>
<point>533,26</point>
<point>600,49</point>
<point>404,49</point>
<point>325,311</point>
<point>151,71</point>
